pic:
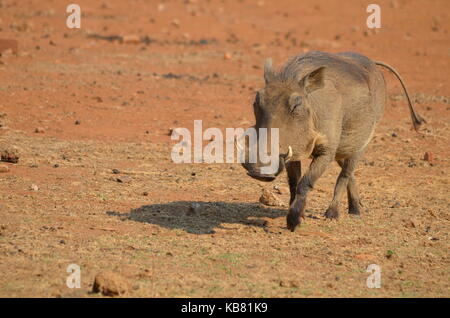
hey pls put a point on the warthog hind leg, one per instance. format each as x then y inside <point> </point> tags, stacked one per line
<point>346,180</point>
<point>354,202</point>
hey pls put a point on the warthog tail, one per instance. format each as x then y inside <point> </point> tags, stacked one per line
<point>416,118</point>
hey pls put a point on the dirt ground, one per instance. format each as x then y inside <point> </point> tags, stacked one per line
<point>77,103</point>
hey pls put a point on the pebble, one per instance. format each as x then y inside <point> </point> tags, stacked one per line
<point>123,179</point>
<point>4,168</point>
<point>413,223</point>
<point>9,156</point>
<point>161,7</point>
<point>34,187</point>
<point>131,39</point>
<point>110,284</point>
<point>268,198</point>
<point>396,205</point>
<point>281,189</point>
<point>428,156</point>
<point>176,23</point>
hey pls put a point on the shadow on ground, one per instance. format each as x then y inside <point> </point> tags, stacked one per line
<point>200,217</point>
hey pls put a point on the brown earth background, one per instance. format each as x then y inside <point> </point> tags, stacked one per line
<point>77,103</point>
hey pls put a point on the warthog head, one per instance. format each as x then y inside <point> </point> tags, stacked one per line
<point>284,103</point>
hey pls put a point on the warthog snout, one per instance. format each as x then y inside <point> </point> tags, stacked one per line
<point>254,168</point>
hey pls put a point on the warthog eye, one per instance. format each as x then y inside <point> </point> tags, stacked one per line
<point>294,101</point>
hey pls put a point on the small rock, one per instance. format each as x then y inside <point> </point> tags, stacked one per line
<point>39,130</point>
<point>281,189</point>
<point>10,155</point>
<point>412,223</point>
<point>77,122</point>
<point>115,171</point>
<point>145,194</point>
<point>396,205</point>
<point>289,283</point>
<point>131,39</point>
<point>412,164</point>
<point>161,7</point>
<point>34,187</point>
<point>110,284</point>
<point>432,213</point>
<point>428,156</point>
<point>176,23</point>
<point>123,179</point>
<point>268,198</point>
<point>227,56</point>
<point>4,168</point>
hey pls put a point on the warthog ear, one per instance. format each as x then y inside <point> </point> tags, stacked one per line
<point>294,100</point>
<point>268,72</point>
<point>313,80</point>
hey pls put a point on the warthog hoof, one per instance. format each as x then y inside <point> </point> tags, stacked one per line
<point>293,219</point>
<point>332,213</point>
<point>354,209</point>
<point>296,212</point>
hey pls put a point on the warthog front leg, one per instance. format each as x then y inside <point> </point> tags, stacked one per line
<point>346,180</point>
<point>294,172</point>
<point>315,170</point>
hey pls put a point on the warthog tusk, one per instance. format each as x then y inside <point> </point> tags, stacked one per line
<point>288,155</point>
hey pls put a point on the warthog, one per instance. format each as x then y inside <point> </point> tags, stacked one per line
<point>326,107</point>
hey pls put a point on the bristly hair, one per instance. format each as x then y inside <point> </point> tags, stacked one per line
<point>293,68</point>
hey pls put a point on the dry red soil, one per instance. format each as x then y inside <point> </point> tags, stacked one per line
<point>77,103</point>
